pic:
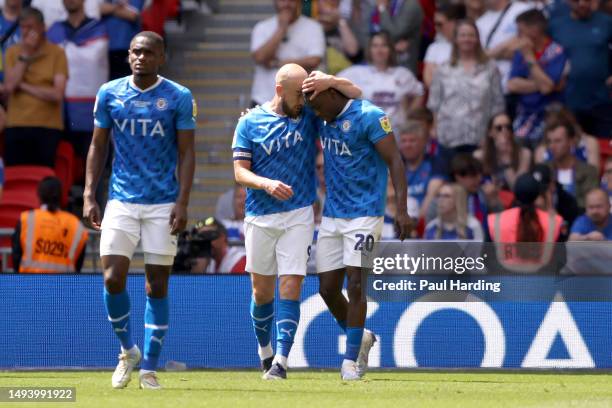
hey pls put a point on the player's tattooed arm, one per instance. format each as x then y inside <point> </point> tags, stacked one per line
<point>96,158</point>
<point>245,177</point>
<point>388,150</point>
<point>318,82</point>
<point>186,170</point>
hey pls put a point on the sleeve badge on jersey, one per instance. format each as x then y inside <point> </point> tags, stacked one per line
<point>195,108</point>
<point>385,124</point>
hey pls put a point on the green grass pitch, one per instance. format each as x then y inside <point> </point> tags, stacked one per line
<point>319,389</point>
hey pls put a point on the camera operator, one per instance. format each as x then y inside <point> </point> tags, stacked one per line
<point>205,249</point>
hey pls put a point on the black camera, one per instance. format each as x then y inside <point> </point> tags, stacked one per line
<point>194,244</point>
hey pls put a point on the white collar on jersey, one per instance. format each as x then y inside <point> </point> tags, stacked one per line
<point>348,104</point>
<point>155,85</point>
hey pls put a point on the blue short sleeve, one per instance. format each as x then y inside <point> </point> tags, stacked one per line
<point>102,118</point>
<point>187,112</point>
<point>377,124</point>
<point>242,145</point>
<point>581,226</point>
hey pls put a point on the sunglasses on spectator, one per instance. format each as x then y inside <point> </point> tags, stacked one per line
<point>499,128</point>
<point>608,171</point>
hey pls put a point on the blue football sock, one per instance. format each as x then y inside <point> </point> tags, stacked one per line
<point>262,317</point>
<point>353,342</point>
<point>156,326</point>
<point>342,324</point>
<point>286,325</point>
<point>118,312</point>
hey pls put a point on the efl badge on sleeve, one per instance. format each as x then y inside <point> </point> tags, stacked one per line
<point>385,124</point>
<point>195,108</point>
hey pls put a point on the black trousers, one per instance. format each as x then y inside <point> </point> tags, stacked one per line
<point>31,146</point>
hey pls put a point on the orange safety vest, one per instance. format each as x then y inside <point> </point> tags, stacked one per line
<point>51,241</point>
<point>503,229</point>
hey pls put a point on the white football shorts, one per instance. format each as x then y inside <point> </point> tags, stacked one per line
<point>341,240</point>
<point>279,244</point>
<point>124,224</point>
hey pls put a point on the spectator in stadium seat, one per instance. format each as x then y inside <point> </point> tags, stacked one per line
<point>466,92</point>
<point>224,209</point>
<point>439,52</point>
<point>536,75</point>
<point>224,258</point>
<point>575,176</point>
<point>85,42</point>
<point>122,19</point>
<point>49,240</point>
<point>287,37</point>
<point>586,36</point>
<point>54,10</point>
<point>498,32</point>
<point>402,19</point>
<point>586,147</point>
<point>503,158</point>
<point>9,28</point>
<point>424,174</point>
<point>35,79</point>
<point>342,45</point>
<point>453,221</point>
<point>596,224</point>
<point>391,87</point>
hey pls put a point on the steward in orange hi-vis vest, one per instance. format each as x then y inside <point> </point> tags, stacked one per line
<point>51,241</point>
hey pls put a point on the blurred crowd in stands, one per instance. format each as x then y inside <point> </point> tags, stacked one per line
<point>480,93</point>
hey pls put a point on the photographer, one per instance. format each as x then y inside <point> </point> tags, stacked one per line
<point>205,249</point>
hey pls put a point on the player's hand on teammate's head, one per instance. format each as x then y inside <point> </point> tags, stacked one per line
<point>316,82</point>
<point>178,218</point>
<point>278,190</point>
<point>404,224</point>
<point>91,214</point>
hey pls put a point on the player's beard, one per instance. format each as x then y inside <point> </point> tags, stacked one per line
<point>291,112</point>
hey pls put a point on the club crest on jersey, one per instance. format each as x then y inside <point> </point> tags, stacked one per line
<point>161,104</point>
<point>346,125</point>
<point>385,124</point>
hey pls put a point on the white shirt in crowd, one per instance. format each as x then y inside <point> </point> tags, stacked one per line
<point>505,30</point>
<point>304,38</point>
<point>439,51</point>
<point>386,89</point>
<point>54,10</point>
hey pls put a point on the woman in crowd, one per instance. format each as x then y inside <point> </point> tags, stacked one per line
<point>502,156</point>
<point>439,52</point>
<point>453,220</point>
<point>466,92</point>
<point>389,86</point>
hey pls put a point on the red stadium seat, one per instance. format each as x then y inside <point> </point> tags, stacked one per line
<point>64,163</point>
<point>605,151</point>
<point>22,177</point>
